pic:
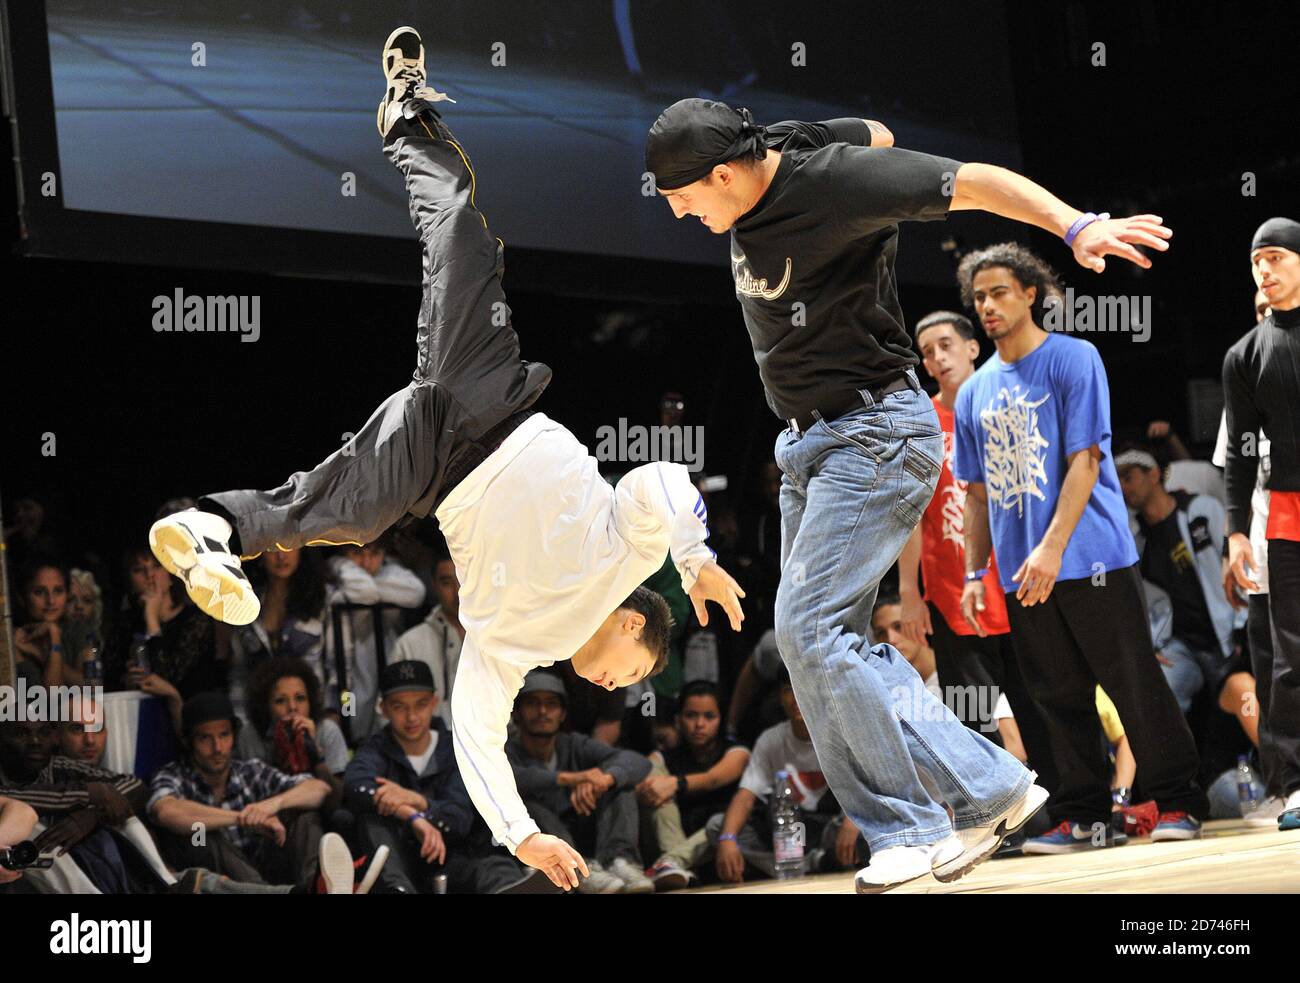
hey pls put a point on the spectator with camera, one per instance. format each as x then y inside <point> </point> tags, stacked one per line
<point>17,820</point>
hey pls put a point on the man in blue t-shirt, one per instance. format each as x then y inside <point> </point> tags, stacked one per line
<point>1033,440</point>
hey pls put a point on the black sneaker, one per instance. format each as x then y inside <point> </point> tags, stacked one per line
<point>403,61</point>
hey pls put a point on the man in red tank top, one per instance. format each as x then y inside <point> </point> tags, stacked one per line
<point>975,661</point>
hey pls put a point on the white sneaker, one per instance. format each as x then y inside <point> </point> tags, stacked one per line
<point>1265,814</point>
<point>899,864</point>
<point>601,881</point>
<point>981,842</point>
<point>372,872</point>
<point>195,546</point>
<point>632,876</point>
<point>336,864</point>
<point>403,61</point>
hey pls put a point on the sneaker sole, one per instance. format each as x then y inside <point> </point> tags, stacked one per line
<point>956,869</point>
<point>373,871</point>
<point>173,547</point>
<point>863,888</point>
<point>336,864</point>
<point>671,882</point>
<point>222,595</point>
<point>1160,836</point>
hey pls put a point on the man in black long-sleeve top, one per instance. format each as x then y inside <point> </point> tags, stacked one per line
<point>1261,387</point>
<point>577,788</point>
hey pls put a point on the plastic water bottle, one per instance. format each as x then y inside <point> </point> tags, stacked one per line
<point>787,830</point>
<point>92,667</point>
<point>1248,786</point>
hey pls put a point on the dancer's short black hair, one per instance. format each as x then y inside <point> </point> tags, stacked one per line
<point>658,624</point>
<point>1024,265</point>
<point>960,323</point>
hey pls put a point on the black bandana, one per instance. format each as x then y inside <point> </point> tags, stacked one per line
<point>1282,232</point>
<point>693,136</point>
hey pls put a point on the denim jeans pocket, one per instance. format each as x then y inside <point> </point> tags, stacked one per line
<point>921,457</point>
<point>860,433</point>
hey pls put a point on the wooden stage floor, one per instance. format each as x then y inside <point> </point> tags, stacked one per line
<point>1230,858</point>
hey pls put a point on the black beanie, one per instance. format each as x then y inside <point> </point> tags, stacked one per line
<point>203,708</point>
<point>1284,232</point>
<point>693,136</point>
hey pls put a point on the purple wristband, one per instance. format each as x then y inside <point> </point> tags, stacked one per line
<point>1081,223</point>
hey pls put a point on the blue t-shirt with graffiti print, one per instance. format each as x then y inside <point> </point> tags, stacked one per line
<point>1016,426</point>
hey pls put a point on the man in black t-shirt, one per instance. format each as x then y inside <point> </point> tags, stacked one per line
<point>813,211</point>
<point>689,784</point>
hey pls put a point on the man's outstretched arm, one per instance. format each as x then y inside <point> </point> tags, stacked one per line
<point>658,510</point>
<point>986,187</point>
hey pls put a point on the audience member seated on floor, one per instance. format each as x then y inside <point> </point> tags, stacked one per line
<point>689,785</point>
<point>162,645</point>
<point>577,788</point>
<point>1180,540</point>
<point>89,813</point>
<point>244,819</point>
<point>17,821</point>
<point>364,575</point>
<point>287,728</point>
<point>291,586</point>
<point>436,641</point>
<point>887,626</point>
<point>755,703</point>
<point>81,818</point>
<point>405,792</point>
<point>743,834</point>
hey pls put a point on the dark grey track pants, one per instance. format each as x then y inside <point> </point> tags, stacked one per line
<point>469,376</point>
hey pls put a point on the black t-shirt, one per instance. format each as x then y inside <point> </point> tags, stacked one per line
<point>697,807</point>
<point>1171,566</point>
<point>813,261</point>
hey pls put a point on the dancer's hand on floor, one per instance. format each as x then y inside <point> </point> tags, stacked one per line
<point>554,858</point>
<point>1120,237</point>
<point>715,584</point>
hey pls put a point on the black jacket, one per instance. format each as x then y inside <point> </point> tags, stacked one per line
<point>381,756</point>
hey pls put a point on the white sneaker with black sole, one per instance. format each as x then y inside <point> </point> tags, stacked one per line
<point>897,865</point>
<point>403,62</point>
<point>195,546</point>
<point>632,876</point>
<point>601,881</point>
<point>981,842</point>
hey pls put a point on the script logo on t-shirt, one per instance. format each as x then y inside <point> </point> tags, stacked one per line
<point>1014,461</point>
<point>751,286</point>
<point>952,506</point>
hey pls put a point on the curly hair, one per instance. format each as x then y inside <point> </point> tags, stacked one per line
<point>1024,265</point>
<point>262,682</point>
<point>307,585</point>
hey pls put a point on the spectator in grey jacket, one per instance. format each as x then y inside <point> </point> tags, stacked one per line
<point>578,788</point>
<point>405,789</point>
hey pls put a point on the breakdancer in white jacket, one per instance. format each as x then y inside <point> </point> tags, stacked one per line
<point>550,557</point>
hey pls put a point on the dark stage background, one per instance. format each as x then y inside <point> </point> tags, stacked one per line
<point>1191,98</point>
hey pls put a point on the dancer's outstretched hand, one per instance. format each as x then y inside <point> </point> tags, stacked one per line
<point>1120,237</point>
<point>715,584</point>
<point>554,858</point>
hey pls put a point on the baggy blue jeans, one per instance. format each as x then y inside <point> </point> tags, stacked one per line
<point>852,490</point>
